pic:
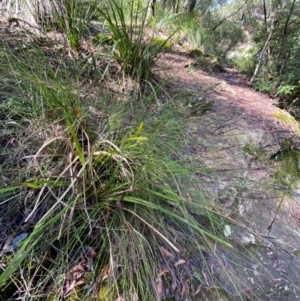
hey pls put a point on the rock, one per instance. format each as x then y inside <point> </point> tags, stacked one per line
<point>18,239</point>
<point>244,182</point>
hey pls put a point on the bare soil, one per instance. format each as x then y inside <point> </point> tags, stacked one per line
<point>233,95</point>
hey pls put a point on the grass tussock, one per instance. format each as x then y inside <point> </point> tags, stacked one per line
<point>133,54</point>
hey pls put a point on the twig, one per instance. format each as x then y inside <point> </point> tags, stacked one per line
<point>273,221</point>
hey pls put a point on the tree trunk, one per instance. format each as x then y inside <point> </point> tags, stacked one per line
<point>283,55</point>
<point>264,50</point>
<point>265,13</point>
<point>189,6</point>
<point>150,9</point>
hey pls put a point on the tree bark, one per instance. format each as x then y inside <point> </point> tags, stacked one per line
<point>285,34</point>
<point>265,13</point>
<point>150,9</point>
<point>189,6</point>
<point>263,51</point>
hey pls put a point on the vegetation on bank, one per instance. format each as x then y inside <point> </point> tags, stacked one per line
<point>99,194</point>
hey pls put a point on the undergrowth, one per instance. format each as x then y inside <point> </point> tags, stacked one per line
<point>133,54</point>
<point>100,199</point>
<point>96,192</point>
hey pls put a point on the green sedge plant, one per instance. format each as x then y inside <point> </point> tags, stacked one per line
<point>133,54</point>
<point>73,18</point>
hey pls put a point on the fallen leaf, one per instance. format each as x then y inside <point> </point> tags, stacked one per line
<point>189,197</point>
<point>80,282</point>
<point>87,258</point>
<point>180,261</point>
<point>5,179</point>
<point>174,285</point>
<point>173,204</point>
<point>77,112</point>
<point>135,297</point>
<point>159,286</point>
<point>166,253</point>
<point>78,275</point>
<point>182,291</point>
<point>184,287</point>
<point>77,268</point>
<point>105,273</point>
<point>90,252</point>
<point>197,290</point>
<point>163,271</point>
<point>69,285</point>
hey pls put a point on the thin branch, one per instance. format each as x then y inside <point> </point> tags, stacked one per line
<point>223,20</point>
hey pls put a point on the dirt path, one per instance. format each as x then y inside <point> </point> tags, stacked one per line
<point>232,145</point>
<point>232,94</point>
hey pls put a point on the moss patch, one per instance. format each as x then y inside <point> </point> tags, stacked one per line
<point>288,160</point>
<point>287,119</point>
<point>255,151</point>
<point>251,149</point>
<point>161,42</point>
<point>195,53</point>
<point>105,293</point>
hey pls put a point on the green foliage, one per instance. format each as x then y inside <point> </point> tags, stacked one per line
<point>115,181</point>
<point>190,29</point>
<point>50,96</point>
<point>209,32</point>
<point>73,17</point>
<point>221,35</point>
<point>102,38</point>
<point>195,34</point>
<point>133,54</point>
<point>161,43</point>
<point>196,53</point>
<point>280,62</point>
<point>264,86</point>
<point>245,64</point>
<point>196,37</point>
<point>163,20</point>
<point>288,160</point>
<point>105,183</point>
<point>285,90</point>
<point>259,36</point>
<point>229,35</point>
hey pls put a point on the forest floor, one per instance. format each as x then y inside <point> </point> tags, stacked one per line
<point>233,116</point>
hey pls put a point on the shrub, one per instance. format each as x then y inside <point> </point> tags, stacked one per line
<point>245,64</point>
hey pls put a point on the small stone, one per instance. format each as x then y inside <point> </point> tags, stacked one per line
<point>18,239</point>
<point>227,230</point>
